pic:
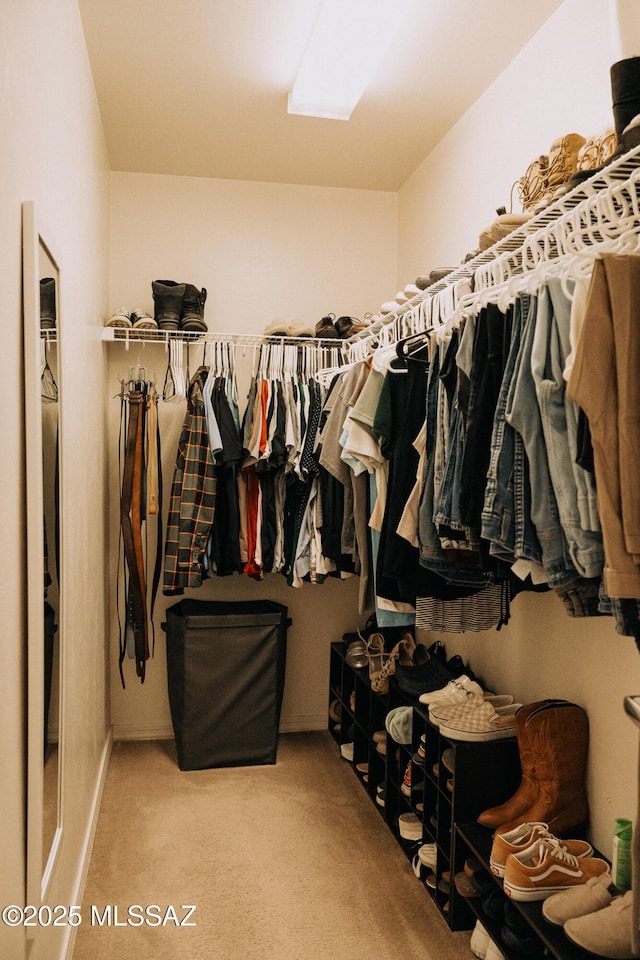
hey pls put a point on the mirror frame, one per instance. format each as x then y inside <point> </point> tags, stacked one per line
<point>38,875</point>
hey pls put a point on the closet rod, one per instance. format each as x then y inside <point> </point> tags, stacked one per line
<point>615,173</point>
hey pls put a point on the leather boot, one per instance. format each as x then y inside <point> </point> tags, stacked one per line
<point>524,796</point>
<point>167,302</point>
<point>193,302</point>
<point>558,736</point>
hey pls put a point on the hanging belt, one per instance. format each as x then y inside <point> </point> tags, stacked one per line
<point>132,514</point>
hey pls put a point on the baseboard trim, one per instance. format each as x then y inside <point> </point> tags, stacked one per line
<point>87,847</point>
<point>164,731</point>
<point>142,731</point>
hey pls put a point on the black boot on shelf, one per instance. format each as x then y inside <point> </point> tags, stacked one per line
<point>167,302</point>
<point>193,301</point>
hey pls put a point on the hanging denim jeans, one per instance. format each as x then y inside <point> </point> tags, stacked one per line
<point>524,417</point>
<point>506,524</point>
<point>547,364</point>
<point>583,478</point>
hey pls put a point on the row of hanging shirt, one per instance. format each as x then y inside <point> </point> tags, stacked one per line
<point>509,486</point>
<point>240,489</point>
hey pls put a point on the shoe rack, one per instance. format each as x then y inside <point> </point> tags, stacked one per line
<point>486,773</point>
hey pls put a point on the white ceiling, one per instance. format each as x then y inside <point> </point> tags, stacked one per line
<point>199,87</point>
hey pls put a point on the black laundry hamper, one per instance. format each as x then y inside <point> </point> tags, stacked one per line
<point>225,672</point>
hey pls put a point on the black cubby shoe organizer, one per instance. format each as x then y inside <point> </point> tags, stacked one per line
<point>446,795</point>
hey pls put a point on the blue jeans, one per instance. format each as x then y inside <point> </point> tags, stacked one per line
<point>524,417</point>
<point>547,364</point>
<point>506,519</point>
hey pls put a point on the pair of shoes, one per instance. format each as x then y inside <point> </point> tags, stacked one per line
<point>428,854</point>
<point>606,931</point>
<point>280,328</point>
<point>481,723</point>
<point>547,867</point>
<point>425,675</point>
<point>178,306</point>
<point>405,787</point>
<point>518,936</point>
<point>409,826</point>
<point>553,738</point>
<point>127,319</point>
<point>325,329</point>
<point>451,711</point>
<point>480,941</point>
<point>521,837</point>
<point>455,691</point>
<point>376,656</point>
<point>402,653</point>
<point>346,749</point>
<point>346,327</point>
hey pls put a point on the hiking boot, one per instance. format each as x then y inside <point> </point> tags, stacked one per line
<point>167,302</point>
<point>192,315</point>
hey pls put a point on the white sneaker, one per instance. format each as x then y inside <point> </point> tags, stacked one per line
<point>493,952</point>
<point>480,941</point>
<point>454,692</point>
<point>449,711</point>
<point>428,854</point>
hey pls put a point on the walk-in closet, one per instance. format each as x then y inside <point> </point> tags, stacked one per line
<point>326,416</point>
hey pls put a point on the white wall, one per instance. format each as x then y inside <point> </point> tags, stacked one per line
<point>53,153</point>
<point>558,84</point>
<point>263,251</point>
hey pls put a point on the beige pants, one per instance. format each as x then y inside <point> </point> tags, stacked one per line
<point>605,382</point>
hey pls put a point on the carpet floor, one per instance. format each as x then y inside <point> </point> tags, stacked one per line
<point>289,861</point>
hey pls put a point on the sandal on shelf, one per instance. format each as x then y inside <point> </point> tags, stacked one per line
<point>375,652</point>
<point>402,653</point>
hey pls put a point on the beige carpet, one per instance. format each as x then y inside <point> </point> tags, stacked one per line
<point>284,862</point>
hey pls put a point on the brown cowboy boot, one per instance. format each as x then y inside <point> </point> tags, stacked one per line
<point>558,736</point>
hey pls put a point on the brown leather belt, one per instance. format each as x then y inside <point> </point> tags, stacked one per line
<point>132,515</point>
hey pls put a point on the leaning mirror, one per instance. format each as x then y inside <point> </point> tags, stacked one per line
<point>41,298</point>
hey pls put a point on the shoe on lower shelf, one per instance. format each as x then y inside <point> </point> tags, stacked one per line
<point>595,894</point>
<point>545,868</point>
<point>479,942</point>
<point>521,837</point>
<point>607,932</point>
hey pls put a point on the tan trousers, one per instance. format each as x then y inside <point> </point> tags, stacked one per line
<point>605,382</point>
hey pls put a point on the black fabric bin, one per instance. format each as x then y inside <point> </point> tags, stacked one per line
<point>225,672</point>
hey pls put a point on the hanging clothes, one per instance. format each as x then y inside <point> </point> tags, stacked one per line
<point>193,497</point>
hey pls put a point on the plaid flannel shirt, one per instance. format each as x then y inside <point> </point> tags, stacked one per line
<point>193,496</point>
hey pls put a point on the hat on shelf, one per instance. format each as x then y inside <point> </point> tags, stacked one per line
<point>401,297</point>
<point>411,290</point>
